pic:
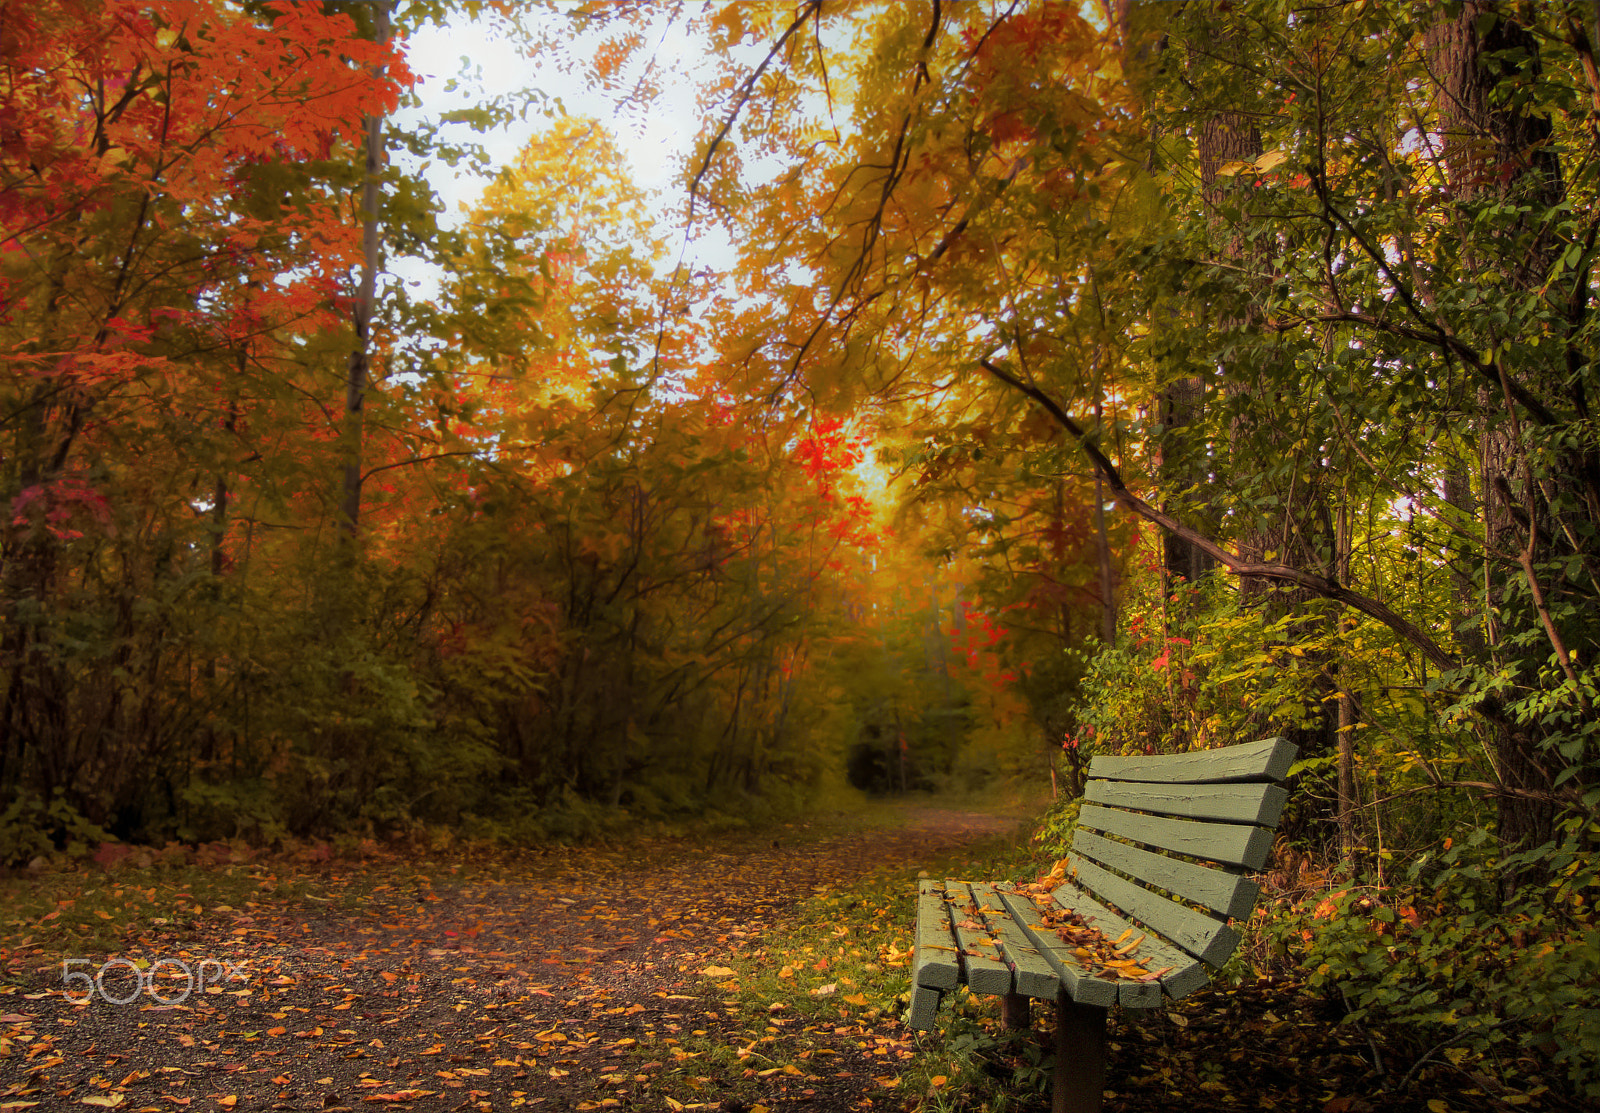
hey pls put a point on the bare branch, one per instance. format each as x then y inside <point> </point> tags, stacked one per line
<point>746,91</point>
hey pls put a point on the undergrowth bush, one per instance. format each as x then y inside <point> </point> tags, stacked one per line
<point>1469,973</point>
<point>1055,830</point>
<point>31,827</point>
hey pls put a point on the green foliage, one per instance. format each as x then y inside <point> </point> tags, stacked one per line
<point>32,828</point>
<point>897,704</point>
<point>1054,835</point>
<point>1196,668</point>
<point>1446,957</point>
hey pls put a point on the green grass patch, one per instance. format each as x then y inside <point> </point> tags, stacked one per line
<point>829,993</point>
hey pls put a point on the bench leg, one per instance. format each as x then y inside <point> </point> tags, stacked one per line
<point>1080,1057</point>
<point>1015,1013</point>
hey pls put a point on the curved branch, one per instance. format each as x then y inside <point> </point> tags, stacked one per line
<point>1428,330</point>
<point>410,461</point>
<point>746,91</point>
<point>1233,562</point>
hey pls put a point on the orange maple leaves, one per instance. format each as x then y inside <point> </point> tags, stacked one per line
<point>154,159</point>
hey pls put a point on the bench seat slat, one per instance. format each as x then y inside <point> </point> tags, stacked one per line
<point>1231,894</point>
<point>1200,935</point>
<point>1033,976</point>
<point>936,943</point>
<point>1268,760</point>
<point>1232,803</point>
<point>982,969</point>
<point>1229,843</point>
<point>1187,973</point>
<point>1081,985</point>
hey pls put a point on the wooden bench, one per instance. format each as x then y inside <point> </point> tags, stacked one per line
<point>1167,842</point>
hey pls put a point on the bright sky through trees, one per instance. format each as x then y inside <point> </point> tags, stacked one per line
<point>468,60</point>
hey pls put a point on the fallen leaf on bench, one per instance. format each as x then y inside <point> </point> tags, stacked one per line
<point>1090,946</point>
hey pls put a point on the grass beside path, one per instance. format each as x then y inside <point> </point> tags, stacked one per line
<point>833,976</point>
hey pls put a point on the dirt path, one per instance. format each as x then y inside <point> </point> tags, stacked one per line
<point>566,980</point>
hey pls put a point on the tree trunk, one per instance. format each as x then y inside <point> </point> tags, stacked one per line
<point>1346,733</point>
<point>359,376</point>
<point>1108,589</point>
<point>1222,137</point>
<point>1494,152</point>
<point>1300,532</point>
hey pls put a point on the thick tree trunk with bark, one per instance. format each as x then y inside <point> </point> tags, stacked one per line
<point>1494,152</point>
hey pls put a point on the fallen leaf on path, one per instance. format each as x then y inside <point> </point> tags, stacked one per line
<point>400,1095</point>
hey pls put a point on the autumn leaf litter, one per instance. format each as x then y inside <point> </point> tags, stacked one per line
<point>573,979</point>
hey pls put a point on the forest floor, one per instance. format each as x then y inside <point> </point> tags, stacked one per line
<point>747,973</point>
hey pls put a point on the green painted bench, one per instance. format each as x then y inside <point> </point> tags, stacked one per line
<point>1132,916</point>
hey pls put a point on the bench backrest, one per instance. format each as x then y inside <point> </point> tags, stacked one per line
<point>1168,840</point>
